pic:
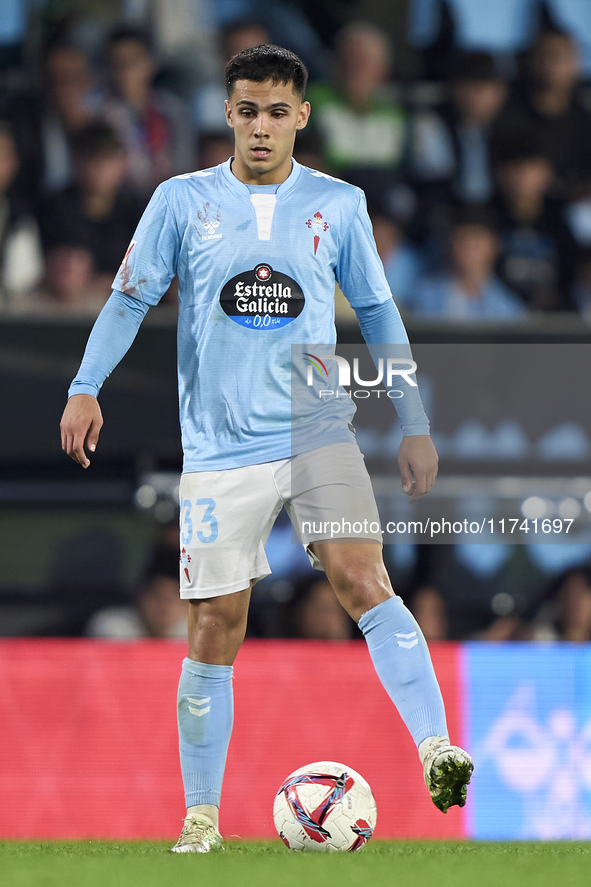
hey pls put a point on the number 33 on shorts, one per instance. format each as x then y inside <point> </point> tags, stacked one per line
<point>198,519</point>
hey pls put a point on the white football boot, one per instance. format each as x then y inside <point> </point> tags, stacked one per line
<point>447,770</point>
<point>199,835</point>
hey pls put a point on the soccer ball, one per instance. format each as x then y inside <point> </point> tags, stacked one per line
<point>325,807</point>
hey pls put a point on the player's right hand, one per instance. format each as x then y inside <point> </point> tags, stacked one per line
<point>81,423</point>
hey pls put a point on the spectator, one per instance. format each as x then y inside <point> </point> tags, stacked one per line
<point>538,250</point>
<point>470,591</point>
<point>402,262</point>
<point>157,610</point>
<point>98,212</point>
<point>566,616</point>
<point>428,608</point>
<point>315,613</point>
<point>71,283</point>
<point>439,26</point>
<point>185,38</point>
<point>69,107</point>
<point>215,148</point>
<point>488,592</point>
<point>363,131</point>
<point>451,147</point>
<point>208,101</point>
<point>469,288</point>
<point>21,258</point>
<point>574,17</point>
<point>286,21</point>
<point>152,123</point>
<point>241,35</point>
<point>308,150</point>
<point>547,105</point>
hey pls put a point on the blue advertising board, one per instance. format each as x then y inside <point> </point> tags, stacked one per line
<point>528,726</point>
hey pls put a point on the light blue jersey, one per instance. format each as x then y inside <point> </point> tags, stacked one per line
<point>256,269</point>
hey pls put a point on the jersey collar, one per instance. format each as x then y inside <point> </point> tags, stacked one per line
<point>283,189</point>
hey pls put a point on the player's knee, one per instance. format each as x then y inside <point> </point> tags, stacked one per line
<point>361,588</point>
<point>358,574</point>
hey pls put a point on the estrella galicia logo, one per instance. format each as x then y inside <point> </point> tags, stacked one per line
<point>262,298</point>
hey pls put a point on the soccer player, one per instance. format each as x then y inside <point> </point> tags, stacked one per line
<point>257,229</point>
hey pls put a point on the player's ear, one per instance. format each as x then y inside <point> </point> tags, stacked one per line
<point>228,109</point>
<point>303,116</point>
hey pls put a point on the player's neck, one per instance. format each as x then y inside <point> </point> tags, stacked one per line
<point>251,177</point>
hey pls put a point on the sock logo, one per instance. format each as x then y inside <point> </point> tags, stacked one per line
<point>408,644</point>
<point>200,702</point>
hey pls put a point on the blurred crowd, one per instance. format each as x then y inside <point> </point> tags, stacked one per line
<point>456,592</point>
<point>467,123</point>
<point>534,592</point>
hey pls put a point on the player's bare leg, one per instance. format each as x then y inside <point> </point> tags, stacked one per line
<point>401,658</point>
<point>217,626</point>
<point>216,630</point>
<point>357,574</point>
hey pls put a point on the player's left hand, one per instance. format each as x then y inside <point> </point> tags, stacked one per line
<point>418,461</point>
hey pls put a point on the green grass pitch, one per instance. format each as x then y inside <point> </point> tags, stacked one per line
<point>396,863</point>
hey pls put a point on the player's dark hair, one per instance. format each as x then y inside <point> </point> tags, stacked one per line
<point>267,62</point>
<point>97,139</point>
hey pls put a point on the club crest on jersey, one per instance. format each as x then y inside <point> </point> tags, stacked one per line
<point>262,298</point>
<point>318,226</point>
<point>210,222</point>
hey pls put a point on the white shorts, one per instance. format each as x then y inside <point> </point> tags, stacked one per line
<point>226,516</point>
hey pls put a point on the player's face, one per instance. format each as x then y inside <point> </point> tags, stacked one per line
<point>265,118</point>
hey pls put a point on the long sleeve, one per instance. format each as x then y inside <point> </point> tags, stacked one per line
<point>361,276</point>
<point>381,325</point>
<point>111,337</point>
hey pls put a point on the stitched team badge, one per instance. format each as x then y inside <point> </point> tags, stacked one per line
<point>318,226</point>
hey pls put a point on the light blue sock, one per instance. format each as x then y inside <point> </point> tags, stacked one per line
<point>205,716</point>
<point>401,659</point>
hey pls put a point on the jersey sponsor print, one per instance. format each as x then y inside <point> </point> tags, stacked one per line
<point>262,298</point>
